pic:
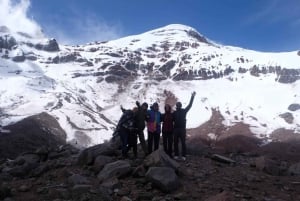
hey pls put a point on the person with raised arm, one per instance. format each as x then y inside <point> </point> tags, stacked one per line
<point>179,118</point>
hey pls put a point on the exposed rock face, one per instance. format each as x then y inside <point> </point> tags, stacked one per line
<point>31,133</point>
<point>51,46</point>
<point>196,35</point>
<point>289,75</point>
<point>294,107</point>
<point>7,42</point>
<point>288,117</point>
<point>71,57</point>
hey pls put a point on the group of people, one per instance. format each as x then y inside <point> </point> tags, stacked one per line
<point>172,125</point>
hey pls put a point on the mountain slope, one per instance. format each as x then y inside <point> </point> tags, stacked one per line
<point>83,86</point>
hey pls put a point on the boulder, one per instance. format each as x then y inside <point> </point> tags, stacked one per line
<point>88,156</point>
<point>159,158</point>
<point>29,134</point>
<point>100,162</point>
<point>77,179</point>
<point>294,169</point>
<point>164,178</point>
<point>116,169</point>
<point>270,166</point>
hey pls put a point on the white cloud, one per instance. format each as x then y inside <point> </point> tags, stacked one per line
<point>83,28</point>
<point>75,28</point>
<point>13,14</point>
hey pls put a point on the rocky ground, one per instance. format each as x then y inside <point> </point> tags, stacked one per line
<point>234,168</point>
<point>99,173</point>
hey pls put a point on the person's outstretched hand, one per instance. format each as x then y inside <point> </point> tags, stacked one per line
<point>137,103</point>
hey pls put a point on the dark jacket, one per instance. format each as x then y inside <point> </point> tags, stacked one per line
<point>127,121</point>
<point>140,118</point>
<point>179,116</point>
<point>167,119</point>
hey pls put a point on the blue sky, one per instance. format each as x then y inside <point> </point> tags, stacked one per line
<point>265,25</point>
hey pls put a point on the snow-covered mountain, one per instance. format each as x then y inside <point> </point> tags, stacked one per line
<point>83,86</point>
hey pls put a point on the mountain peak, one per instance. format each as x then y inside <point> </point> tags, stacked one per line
<point>176,29</point>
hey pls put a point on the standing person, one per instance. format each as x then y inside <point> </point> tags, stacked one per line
<point>167,129</point>
<point>140,119</point>
<point>179,117</point>
<point>132,137</point>
<point>153,126</point>
<point>124,126</point>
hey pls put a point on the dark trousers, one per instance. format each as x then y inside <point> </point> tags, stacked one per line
<point>179,133</point>
<point>142,141</point>
<point>168,142</point>
<point>132,142</point>
<point>153,137</point>
<point>124,141</point>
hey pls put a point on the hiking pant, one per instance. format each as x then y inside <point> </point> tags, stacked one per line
<point>153,137</point>
<point>124,141</point>
<point>132,143</point>
<point>142,141</point>
<point>179,133</point>
<point>168,142</point>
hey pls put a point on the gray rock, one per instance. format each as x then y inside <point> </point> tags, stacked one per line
<point>24,188</point>
<point>76,179</point>
<point>23,165</point>
<point>30,133</point>
<point>288,117</point>
<point>88,156</point>
<point>4,191</point>
<point>82,188</point>
<point>294,107</point>
<point>111,183</point>
<point>7,42</point>
<point>100,161</point>
<point>294,169</point>
<point>139,171</point>
<point>115,169</point>
<point>159,158</point>
<point>269,166</point>
<point>164,178</point>
<point>222,159</point>
<point>51,46</point>
<point>19,58</point>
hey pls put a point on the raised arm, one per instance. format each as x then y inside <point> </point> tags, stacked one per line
<point>123,110</point>
<point>138,104</point>
<point>191,102</point>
